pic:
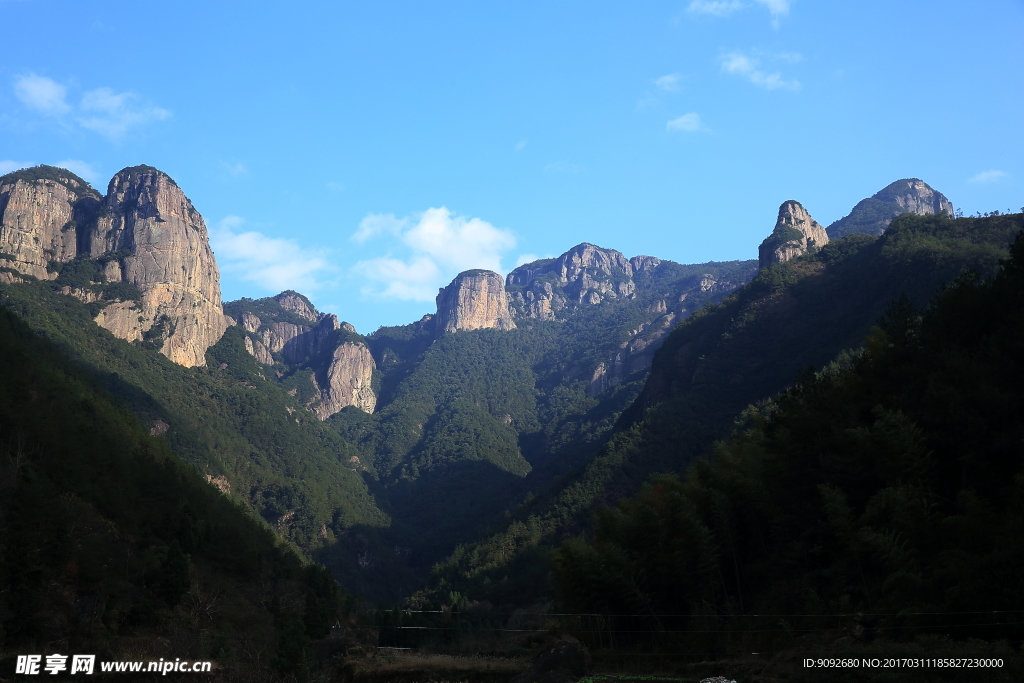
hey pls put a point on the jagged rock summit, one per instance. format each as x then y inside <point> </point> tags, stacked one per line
<point>40,209</point>
<point>287,330</point>
<point>873,215</point>
<point>475,300</point>
<point>795,233</point>
<point>144,234</point>
<point>586,274</point>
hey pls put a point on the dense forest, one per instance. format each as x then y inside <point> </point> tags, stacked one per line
<point>112,545</point>
<point>802,313</point>
<point>880,497</point>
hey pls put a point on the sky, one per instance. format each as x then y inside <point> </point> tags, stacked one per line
<point>365,153</point>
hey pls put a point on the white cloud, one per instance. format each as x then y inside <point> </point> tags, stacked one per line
<point>42,94</point>
<point>987,176</point>
<point>740,64</point>
<point>82,168</point>
<point>717,8</point>
<point>7,165</point>
<point>521,145</point>
<point>112,114</point>
<point>377,224</point>
<point>778,8</point>
<point>668,82</point>
<point>687,123</point>
<point>438,245</point>
<point>273,263</point>
<point>235,168</point>
<point>726,8</point>
<point>102,110</point>
<point>529,258</point>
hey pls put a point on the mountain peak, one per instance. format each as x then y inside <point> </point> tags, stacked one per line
<point>873,215</point>
<point>474,300</point>
<point>795,233</point>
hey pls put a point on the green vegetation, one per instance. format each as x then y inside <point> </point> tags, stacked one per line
<point>878,498</point>
<point>82,562</point>
<point>721,359</point>
<point>80,188</point>
<point>226,419</point>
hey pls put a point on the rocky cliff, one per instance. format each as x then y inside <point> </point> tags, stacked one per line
<point>795,233</point>
<point>873,215</point>
<point>475,300</point>
<point>144,234</point>
<point>40,212</point>
<point>586,274</point>
<point>162,247</point>
<point>288,332</point>
<point>347,380</point>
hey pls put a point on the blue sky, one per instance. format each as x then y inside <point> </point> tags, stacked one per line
<point>364,153</point>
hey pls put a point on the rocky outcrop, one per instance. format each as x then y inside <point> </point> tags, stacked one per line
<point>347,381</point>
<point>795,233</point>
<point>475,300</point>
<point>586,274</point>
<point>156,240</point>
<point>40,213</point>
<point>341,363</point>
<point>144,233</point>
<point>874,214</point>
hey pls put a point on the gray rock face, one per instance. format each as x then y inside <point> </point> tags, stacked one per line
<point>475,300</point>
<point>161,246</point>
<point>145,232</point>
<point>347,381</point>
<point>874,214</point>
<point>39,221</point>
<point>584,275</point>
<point>342,364</point>
<point>795,233</point>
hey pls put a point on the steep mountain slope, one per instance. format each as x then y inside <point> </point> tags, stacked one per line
<point>888,486</point>
<point>224,417</point>
<point>792,316</point>
<point>187,574</point>
<point>874,214</point>
<point>140,254</point>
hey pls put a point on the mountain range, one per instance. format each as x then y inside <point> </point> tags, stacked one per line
<point>452,455</point>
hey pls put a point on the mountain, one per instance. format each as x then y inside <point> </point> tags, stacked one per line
<point>795,233</point>
<point>873,215</point>
<point>802,313</point>
<point>882,491</point>
<point>139,255</point>
<point>112,546</point>
<point>475,437</point>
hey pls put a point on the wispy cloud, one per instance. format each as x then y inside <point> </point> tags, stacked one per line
<point>668,82</point>
<point>102,110</point>
<point>521,145</point>
<point>726,8</point>
<point>235,168</point>
<point>687,123</point>
<point>7,165</point>
<point>716,8</point>
<point>41,94</point>
<point>987,176</point>
<point>778,8</point>
<point>272,263</point>
<point>434,246</point>
<point>749,67</point>
<point>82,168</point>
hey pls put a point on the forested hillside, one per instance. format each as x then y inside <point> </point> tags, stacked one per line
<point>879,497</point>
<point>800,314</point>
<point>111,545</point>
